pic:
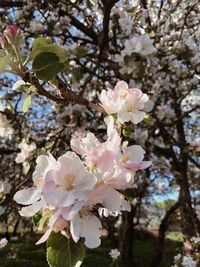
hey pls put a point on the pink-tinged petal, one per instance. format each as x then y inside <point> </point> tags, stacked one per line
<point>56,196</point>
<point>32,209</point>
<point>70,164</point>
<point>120,87</point>
<point>97,195</point>
<point>45,236</point>
<point>85,181</point>
<point>78,146</point>
<point>69,212</point>
<point>145,164</point>
<point>105,160</point>
<point>125,205</point>
<point>60,224</point>
<point>136,153</point>
<point>28,196</point>
<point>132,166</point>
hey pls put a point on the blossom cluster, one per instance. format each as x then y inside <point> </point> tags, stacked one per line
<point>129,104</point>
<point>69,192</point>
<point>189,260</point>
<point>25,152</point>
<point>185,261</point>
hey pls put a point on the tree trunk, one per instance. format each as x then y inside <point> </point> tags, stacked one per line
<point>189,220</point>
<point>126,239</point>
<point>161,236</point>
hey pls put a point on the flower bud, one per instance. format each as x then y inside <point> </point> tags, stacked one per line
<point>12,34</point>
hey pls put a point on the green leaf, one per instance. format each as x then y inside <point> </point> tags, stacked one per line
<point>39,42</point>
<point>2,53</point>
<point>36,218</point>
<point>80,51</point>
<point>40,45</point>
<point>47,66</point>
<point>27,103</point>
<point>127,131</point>
<point>42,223</point>
<point>64,252</point>
<point>4,62</point>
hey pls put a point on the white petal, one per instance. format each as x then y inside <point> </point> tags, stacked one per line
<point>28,196</point>
<point>32,209</point>
<point>137,116</point>
<point>75,227</point>
<point>113,200</point>
<point>136,153</point>
<point>85,181</point>
<point>123,116</point>
<point>90,230</point>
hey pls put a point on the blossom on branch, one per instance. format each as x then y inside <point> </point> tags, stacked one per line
<point>129,104</point>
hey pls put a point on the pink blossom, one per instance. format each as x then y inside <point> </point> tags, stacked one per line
<point>63,187</point>
<point>130,104</point>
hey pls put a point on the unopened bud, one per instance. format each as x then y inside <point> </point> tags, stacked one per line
<point>12,34</point>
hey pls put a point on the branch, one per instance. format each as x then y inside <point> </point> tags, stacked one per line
<point>7,151</point>
<point>80,26</point>
<point>66,95</point>
<point>103,37</point>
<point>4,4</point>
<point>193,161</point>
<point>144,5</point>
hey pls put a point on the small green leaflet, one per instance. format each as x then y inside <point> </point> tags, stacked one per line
<point>27,103</point>
<point>4,62</point>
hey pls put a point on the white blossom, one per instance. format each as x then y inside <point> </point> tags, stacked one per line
<point>114,254</point>
<point>3,242</point>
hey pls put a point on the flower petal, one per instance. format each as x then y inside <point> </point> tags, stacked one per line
<point>28,196</point>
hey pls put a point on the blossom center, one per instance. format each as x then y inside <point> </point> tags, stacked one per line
<point>39,181</point>
<point>125,94</point>
<point>48,213</point>
<point>129,108</point>
<point>125,158</point>
<point>69,181</point>
<point>84,212</point>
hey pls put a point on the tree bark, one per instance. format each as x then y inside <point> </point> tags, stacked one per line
<point>161,236</point>
<point>126,239</point>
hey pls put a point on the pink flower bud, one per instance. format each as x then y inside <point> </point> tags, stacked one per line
<point>12,34</point>
<point>12,30</point>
